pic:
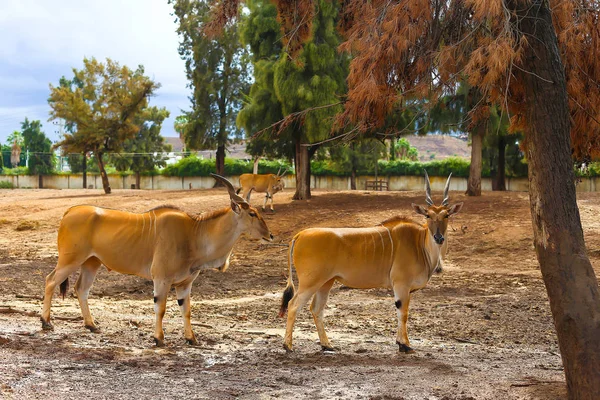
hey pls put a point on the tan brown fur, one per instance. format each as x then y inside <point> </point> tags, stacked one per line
<point>164,244</point>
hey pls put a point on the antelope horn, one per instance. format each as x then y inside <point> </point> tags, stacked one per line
<point>284,172</point>
<point>278,171</point>
<point>230,188</point>
<point>446,200</point>
<point>427,190</point>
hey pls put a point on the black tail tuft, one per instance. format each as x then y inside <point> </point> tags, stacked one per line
<point>64,287</point>
<point>287,296</point>
<point>238,191</point>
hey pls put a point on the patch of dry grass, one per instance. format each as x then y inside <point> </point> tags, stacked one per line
<point>27,225</point>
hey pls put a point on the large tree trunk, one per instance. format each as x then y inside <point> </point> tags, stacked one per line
<point>501,173</point>
<point>105,183</point>
<point>138,179</point>
<point>570,281</point>
<point>302,162</point>
<point>353,179</point>
<point>255,167</point>
<point>84,169</point>
<point>474,182</point>
<point>220,161</point>
<point>40,181</point>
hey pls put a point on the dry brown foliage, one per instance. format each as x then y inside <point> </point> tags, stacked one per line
<point>422,48</point>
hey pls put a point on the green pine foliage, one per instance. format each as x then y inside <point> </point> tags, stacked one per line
<point>317,77</point>
<point>260,31</point>
<point>41,158</point>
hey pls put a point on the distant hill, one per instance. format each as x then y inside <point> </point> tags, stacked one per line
<point>438,147</point>
<point>430,147</point>
<point>234,150</point>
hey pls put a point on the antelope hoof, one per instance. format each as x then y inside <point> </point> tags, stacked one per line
<point>93,328</point>
<point>288,349</point>
<point>192,341</point>
<point>405,348</point>
<point>327,349</point>
<point>159,343</point>
<point>47,326</point>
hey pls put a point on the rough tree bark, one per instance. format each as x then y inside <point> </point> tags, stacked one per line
<point>138,179</point>
<point>220,160</point>
<point>255,167</point>
<point>568,275</point>
<point>302,164</point>
<point>103,175</point>
<point>501,173</point>
<point>84,169</point>
<point>474,182</point>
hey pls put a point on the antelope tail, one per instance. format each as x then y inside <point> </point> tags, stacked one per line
<point>288,293</point>
<point>64,286</point>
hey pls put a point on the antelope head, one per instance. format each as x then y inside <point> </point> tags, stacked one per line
<point>248,217</point>
<point>437,216</point>
<point>279,182</point>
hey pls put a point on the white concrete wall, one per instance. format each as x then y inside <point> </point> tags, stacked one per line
<point>160,182</point>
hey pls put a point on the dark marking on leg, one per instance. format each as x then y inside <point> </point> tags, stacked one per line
<point>180,301</point>
<point>155,299</point>
<point>398,304</point>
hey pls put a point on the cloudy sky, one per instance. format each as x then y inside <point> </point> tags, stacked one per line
<point>43,40</point>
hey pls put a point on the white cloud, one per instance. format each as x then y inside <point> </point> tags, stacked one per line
<point>43,40</point>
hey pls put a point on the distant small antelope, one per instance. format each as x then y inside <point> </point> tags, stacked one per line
<point>398,254</point>
<point>165,244</point>
<point>269,184</point>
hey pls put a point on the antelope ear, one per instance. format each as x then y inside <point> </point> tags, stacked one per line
<point>419,209</point>
<point>455,208</point>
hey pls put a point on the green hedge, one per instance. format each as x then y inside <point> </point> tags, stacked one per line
<point>194,166</point>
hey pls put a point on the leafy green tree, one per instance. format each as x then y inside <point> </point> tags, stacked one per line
<point>103,111</point>
<point>316,78</point>
<point>404,151</point>
<point>260,31</point>
<point>501,152</point>
<point>358,157</point>
<point>217,72</point>
<point>145,151</point>
<point>78,163</point>
<point>39,147</point>
<point>180,126</point>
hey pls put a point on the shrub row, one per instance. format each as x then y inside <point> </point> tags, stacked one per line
<point>194,166</point>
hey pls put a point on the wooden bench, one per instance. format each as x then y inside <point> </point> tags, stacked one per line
<point>377,185</point>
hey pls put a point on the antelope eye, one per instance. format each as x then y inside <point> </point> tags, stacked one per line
<point>252,214</point>
<point>446,216</point>
<point>427,216</point>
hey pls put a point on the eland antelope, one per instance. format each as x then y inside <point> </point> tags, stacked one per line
<point>398,254</point>
<point>269,184</point>
<point>165,244</point>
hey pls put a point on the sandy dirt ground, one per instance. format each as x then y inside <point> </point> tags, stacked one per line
<point>482,329</point>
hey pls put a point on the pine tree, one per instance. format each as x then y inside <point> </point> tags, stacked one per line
<point>41,159</point>
<point>315,78</point>
<point>217,73</point>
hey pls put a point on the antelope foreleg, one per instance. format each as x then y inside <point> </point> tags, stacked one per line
<point>161,291</point>
<point>184,302</point>
<point>402,300</point>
